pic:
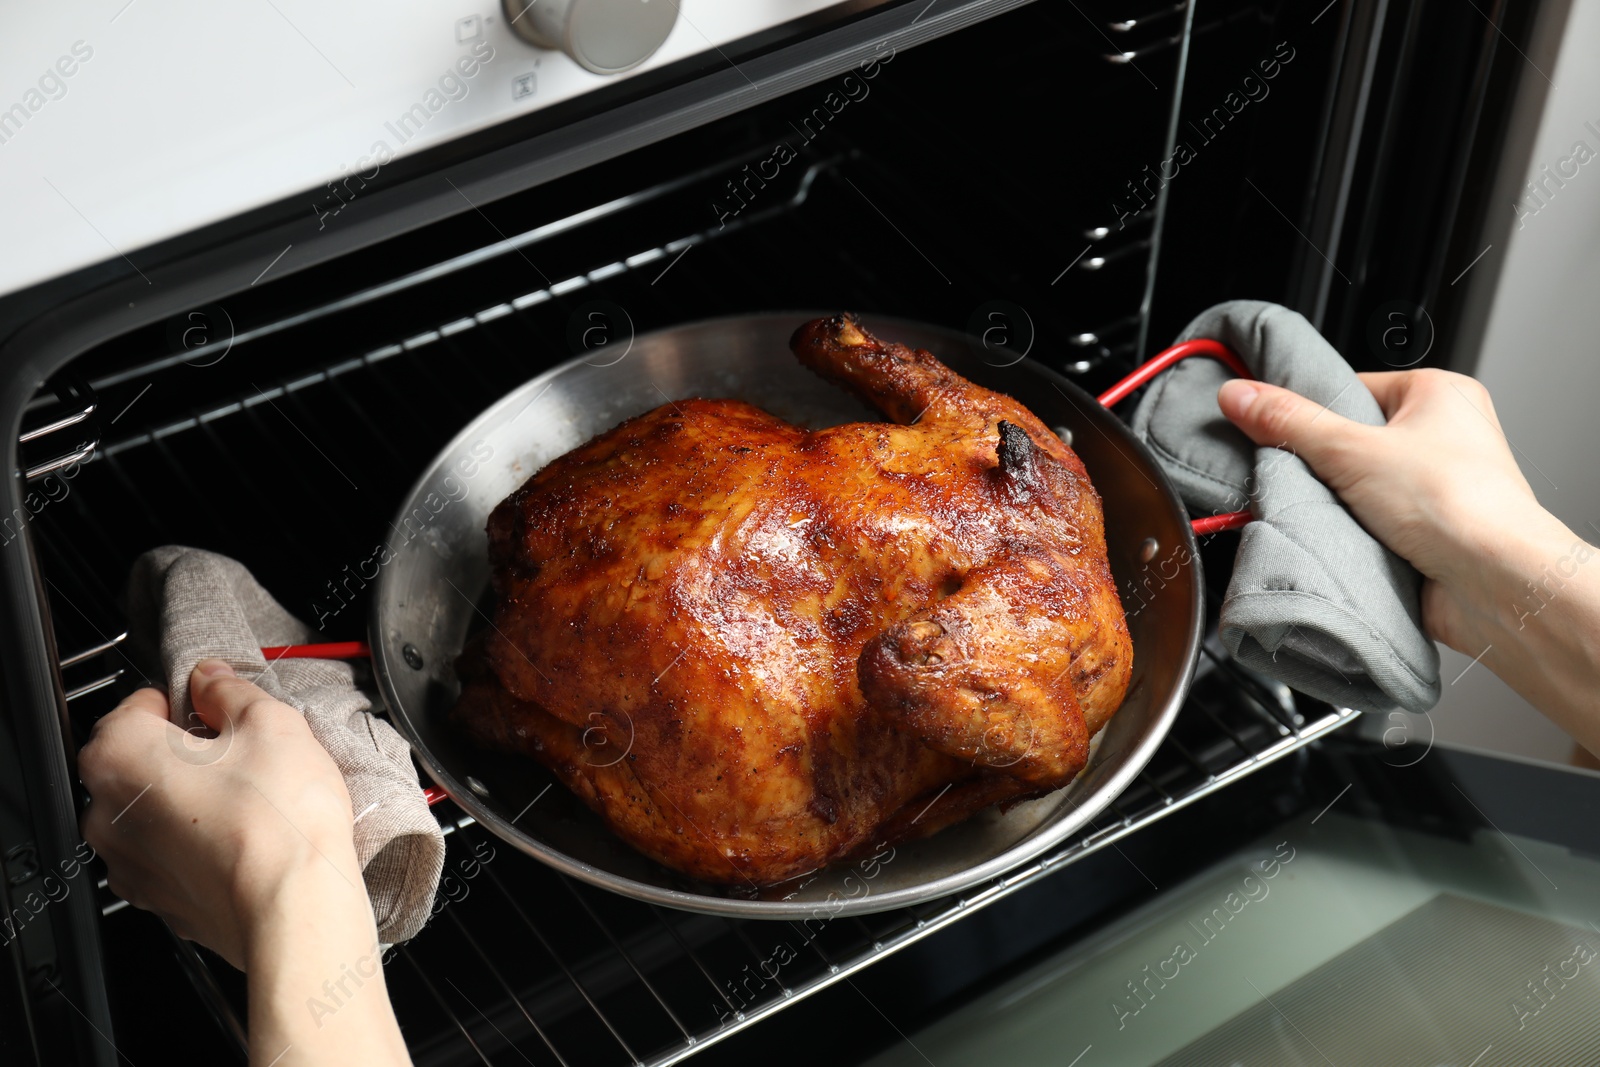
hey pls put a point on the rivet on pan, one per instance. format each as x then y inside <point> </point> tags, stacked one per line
<point>1065,435</point>
<point>412,657</point>
<point>1148,550</point>
<point>1077,366</point>
<point>477,787</point>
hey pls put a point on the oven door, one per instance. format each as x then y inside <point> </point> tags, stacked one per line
<point>1402,903</point>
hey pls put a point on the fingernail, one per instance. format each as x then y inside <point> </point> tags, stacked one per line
<point>212,668</point>
<point>1236,397</point>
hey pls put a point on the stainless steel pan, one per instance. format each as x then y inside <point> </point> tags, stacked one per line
<point>434,592</point>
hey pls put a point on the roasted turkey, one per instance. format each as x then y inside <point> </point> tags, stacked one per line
<point>755,649</point>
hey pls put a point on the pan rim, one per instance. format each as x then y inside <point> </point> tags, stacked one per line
<point>1029,849</point>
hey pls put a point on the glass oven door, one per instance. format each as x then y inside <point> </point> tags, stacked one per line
<point>1442,913</point>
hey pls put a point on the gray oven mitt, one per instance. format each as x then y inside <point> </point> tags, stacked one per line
<point>1314,601</point>
<point>186,605</point>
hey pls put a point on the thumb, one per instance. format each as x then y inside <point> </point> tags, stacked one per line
<point>1281,418</point>
<point>219,696</point>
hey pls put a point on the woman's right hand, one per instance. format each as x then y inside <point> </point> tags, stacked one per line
<point>1438,485</point>
<point>1432,484</point>
<point>1507,582</point>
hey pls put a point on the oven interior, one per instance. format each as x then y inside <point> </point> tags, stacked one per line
<point>971,182</point>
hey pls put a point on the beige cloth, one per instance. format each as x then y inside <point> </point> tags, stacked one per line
<point>186,604</point>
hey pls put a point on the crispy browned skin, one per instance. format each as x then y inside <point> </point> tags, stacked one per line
<point>800,638</point>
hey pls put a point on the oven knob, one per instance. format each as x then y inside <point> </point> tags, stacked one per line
<point>605,36</point>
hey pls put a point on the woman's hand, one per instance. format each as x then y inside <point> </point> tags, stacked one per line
<point>1432,485</point>
<point>1507,581</point>
<point>1438,485</point>
<point>206,831</point>
<point>243,843</point>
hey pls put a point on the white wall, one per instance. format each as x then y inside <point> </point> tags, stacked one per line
<point>1538,339</point>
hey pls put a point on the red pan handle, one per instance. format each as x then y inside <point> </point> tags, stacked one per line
<point>1200,346</point>
<point>333,650</point>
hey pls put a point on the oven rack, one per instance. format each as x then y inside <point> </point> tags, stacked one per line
<point>618,982</point>
<point>1113,340</point>
<point>71,403</point>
